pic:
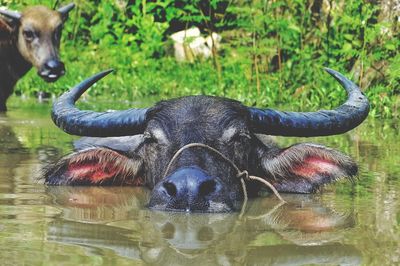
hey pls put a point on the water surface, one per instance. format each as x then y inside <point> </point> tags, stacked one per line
<point>348,224</point>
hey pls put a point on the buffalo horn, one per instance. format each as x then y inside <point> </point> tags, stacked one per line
<point>95,124</point>
<point>320,123</point>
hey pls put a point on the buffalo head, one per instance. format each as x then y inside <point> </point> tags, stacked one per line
<point>188,150</point>
<point>38,37</point>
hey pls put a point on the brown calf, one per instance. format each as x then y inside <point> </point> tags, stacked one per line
<point>30,38</point>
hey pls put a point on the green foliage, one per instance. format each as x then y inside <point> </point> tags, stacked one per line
<point>273,52</point>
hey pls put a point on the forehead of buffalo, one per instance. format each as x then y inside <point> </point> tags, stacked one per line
<point>41,18</point>
<point>197,119</point>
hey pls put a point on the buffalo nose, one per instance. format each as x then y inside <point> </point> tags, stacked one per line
<point>52,70</point>
<point>189,185</point>
<point>187,189</point>
<point>55,66</point>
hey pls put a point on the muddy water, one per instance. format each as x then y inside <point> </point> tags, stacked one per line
<point>348,224</point>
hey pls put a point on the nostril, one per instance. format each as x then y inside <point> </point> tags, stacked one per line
<point>205,234</point>
<point>207,187</point>
<point>170,188</point>
<point>168,231</point>
<point>54,65</point>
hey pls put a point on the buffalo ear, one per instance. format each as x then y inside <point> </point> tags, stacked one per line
<point>64,11</point>
<point>96,166</point>
<point>305,167</point>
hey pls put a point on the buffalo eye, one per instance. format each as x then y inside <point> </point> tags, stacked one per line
<point>155,135</point>
<point>149,138</point>
<point>240,137</point>
<point>28,34</point>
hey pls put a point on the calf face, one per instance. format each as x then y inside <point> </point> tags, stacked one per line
<point>38,38</point>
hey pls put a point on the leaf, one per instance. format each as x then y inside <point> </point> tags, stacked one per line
<point>347,47</point>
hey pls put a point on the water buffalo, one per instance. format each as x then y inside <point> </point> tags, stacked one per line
<point>30,38</point>
<point>191,151</point>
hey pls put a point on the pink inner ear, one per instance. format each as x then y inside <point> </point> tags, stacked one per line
<point>314,166</point>
<point>92,171</point>
<point>4,31</point>
<point>98,166</point>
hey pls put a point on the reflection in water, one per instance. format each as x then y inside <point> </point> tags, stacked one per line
<point>304,219</point>
<point>335,254</point>
<point>348,224</point>
<point>113,218</point>
<point>12,151</point>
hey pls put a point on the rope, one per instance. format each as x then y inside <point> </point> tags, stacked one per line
<point>265,182</point>
<point>243,175</point>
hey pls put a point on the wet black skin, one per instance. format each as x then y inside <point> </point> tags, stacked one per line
<point>144,142</point>
<point>198,179</point>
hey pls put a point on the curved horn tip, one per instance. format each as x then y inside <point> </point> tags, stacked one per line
<point>85,84</point>
<point>346,83</point>
<point>105,72</point>
<point>101,74</point>
<point>332,72</point>
<point>337,75</point>
<point>97,77</point>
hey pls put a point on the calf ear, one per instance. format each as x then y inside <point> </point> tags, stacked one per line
<point>12,15</point>
<point>64,11</point>
<point>5,31</point>
<point>303,168</point>
<point>96,166</point>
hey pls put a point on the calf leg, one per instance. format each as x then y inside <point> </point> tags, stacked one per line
<point>3,100</point>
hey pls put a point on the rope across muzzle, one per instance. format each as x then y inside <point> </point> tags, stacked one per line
<point>243,175</point>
